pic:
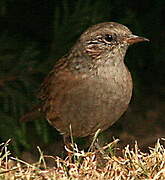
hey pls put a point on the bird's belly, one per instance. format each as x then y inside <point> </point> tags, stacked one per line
<point>96,104</point>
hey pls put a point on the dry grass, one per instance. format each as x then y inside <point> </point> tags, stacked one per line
<point>99,164</point>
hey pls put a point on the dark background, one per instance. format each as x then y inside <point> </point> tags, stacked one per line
<point>34,34</point>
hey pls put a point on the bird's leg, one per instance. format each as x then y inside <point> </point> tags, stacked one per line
<point>69,146</point>
<point>67,141</point>
<point>94,141</point>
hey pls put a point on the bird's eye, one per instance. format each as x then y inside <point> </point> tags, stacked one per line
<point>108,37</point>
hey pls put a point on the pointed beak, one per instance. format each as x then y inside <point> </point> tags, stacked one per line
<point>135,39</point>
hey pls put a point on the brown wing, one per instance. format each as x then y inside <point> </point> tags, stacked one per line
<point>58,83</point>
<point>51,77</point>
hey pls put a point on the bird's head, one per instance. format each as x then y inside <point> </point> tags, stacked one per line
<point>107,38</point>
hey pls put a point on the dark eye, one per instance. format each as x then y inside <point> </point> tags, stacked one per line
<point>108,37</point>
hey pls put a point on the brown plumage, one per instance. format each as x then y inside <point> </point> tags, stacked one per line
<point>90,87</point>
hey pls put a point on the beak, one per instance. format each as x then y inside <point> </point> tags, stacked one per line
<point>135,39</point>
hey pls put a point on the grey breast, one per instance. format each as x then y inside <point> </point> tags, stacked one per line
<point>98,102</point>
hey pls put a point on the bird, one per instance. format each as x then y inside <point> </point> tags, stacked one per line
<point>90,87</point>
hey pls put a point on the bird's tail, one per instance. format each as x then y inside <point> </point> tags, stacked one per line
<point>34,114</point>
